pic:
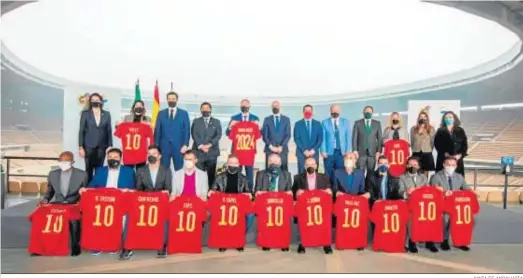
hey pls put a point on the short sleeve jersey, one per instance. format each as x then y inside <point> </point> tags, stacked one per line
<point>390,218</point>
<point>186,218</point>
<point>397,152</point>
<point>352,216</point>
<point>274,212</point>
<point>102,219</point>
<point>228,219</point>
<point>147,214</point>
<point>461,206</point>
<point>426,205</point>
<point>135,137</point>
<point>314,210</point>
<point>244,136</point>
<point>50,229</point>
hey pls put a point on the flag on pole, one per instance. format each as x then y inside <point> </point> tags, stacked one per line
<point>156,103</point>
<point>137,93</point>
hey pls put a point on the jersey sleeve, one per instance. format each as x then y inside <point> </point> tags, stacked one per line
<point>256,131</point>
<point>118,132</point>
<point>232,134</point>
<point>473,202</point>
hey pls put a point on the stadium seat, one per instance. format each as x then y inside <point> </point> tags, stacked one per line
<point>14,187</point>
<point>497,197</point>
<point>43,187</point>
<point>482,195</point>
<point>30,188</point>
<point>513,197</point>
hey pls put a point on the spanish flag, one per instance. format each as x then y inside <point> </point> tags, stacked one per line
<point>156,103</point>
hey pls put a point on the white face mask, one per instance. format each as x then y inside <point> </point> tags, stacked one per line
<point>349,163</point>
<point>64,165</point>
<point>450,170</point>
<point>189,164</point>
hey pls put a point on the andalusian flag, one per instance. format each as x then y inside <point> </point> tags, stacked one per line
<point>156,103</point>
<point>137,93</point>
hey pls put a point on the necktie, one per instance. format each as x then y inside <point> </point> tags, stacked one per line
<point>206,122</point>
<point>171,114</point>
<point>308,128</point>
<point>337,135</point>
<point>244,118</point>
<point>384,188</point>
<point>450,183</point>
<point>277,123</point>
<point>367,125</point>
<point>272,186</point>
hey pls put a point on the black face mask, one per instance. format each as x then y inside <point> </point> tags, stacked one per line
<point>232,169</point>
<point>422,121</point>
<point>244,109</point>
<point>274,168</point>
<point>138,110</point>
<point>275,110</point>
<point>113,163</point>
<point>206,114</point>
<point>395,122</point>
<point>335,115</point>
<point>152,159</point>
<point>171,104</point>
<point>96,104</point>
<point>412,170</point>
<point>310,170</point>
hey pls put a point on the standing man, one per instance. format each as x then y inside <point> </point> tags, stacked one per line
<point>63,186</point>
<point>308,136</point>
<point>336,141</point>
<point>172,132</point>
<point>206,132</point>
<point>244,116</point>
<point>276,133</point>
<point>366,140</point>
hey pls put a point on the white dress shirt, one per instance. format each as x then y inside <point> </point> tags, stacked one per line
<point>112,178</point>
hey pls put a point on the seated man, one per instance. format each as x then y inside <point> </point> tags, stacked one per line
<point>114,176</point>
<point>349,180</point>
<point>381,185</point>
<point>63,186</point>
<point>448,180</point>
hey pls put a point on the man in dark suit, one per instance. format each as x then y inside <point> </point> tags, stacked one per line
<point>206,132</point>
<point>311,180</point>
<point>381,185</point>
<point>95,135</point>
<point>367,141</point>
<point>63,186</point>
<point>172,132</point>
<point>308,137</point>
<point>349,180</point>
<point>276,131</point>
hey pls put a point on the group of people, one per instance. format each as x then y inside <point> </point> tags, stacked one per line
<point>353,157</point>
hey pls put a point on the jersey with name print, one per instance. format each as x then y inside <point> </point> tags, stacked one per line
<point>352,218</point>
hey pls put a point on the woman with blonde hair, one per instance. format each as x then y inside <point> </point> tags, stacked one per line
<point>395,129</point>
<point>422,142</point>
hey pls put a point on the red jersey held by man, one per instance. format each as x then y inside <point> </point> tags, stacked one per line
<point>50,229</point>
<point>461,206</point>
<point>244,136</point>
<point>136,137</point>
<point>390,219</point>
<point>314,212</point>
<point>397,152</point>
<point>186,218</point>
<point>352,218</point>
<point>274,212</point>
<point>102,219</point>
<point>228,219</point>
<point>426,205</point>
<point>147,214</point>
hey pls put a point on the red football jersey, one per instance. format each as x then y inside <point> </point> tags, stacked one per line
<point>228,219</point>
<point>136,137</point>
<point>244,136</point>
<point>102,219</point>
<point>186,218</point>
<point>426,205</point>
<point>461,206</point>
<point>390,219</point>
<point>50,229</point>
<point>147,214</point>
<point>314,212</point>
<point>352,219</point>
<point>397,152</point>
<point>274,211</point>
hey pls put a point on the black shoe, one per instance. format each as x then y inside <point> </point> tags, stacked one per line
<point>360,249</point>
<point>412,247</point>
<point>327,250</point>
<point>301,249</point>
<point>76,251</point>
<point>162,254</point>
<point>222,249</point>
<point>266,249</point>
<point>285,249</point>
<point>445,245</point>
<point>432,247</point>
<point>464,248</point>
<point>126,254</point>
<point>35,255</point>
<point>240,249</point>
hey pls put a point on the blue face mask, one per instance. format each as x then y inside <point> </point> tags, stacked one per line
<point>383,168</point>
<point>448,121</point>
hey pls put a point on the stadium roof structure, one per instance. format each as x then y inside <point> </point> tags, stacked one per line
<point>506,13</point>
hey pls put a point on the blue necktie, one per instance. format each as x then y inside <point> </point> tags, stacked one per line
<point>244,118</point>
<point>450,184</point>
<point>384,188</point>
<point>308,125</point>
<point>337,136</point>
<point>277,123</point>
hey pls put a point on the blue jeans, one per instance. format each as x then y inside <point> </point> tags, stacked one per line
<point>250,219</point>
<point>166,233</point>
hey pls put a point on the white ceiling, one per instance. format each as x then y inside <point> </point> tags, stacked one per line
<point>251,48</point>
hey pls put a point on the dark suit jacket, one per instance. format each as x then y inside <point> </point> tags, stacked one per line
<point>125,178</point>
<point>304,141</point>
<point>175,132</point>
<point>91,135</point>
<point>455,143</point>
<point>360,138</point>
<point>263,181</point>
<point>238,118</point>
<point>358,182</point>
<point>210,135</point>
<point>145,183</point>
<point>77,181</point>
<point>276,138</point>
<point>373,186</point>
<point>220,183</point>
<point>300,182</point>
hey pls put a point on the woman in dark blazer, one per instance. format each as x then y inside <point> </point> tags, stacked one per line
<point>95,135</point>
<point>451,140</point>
